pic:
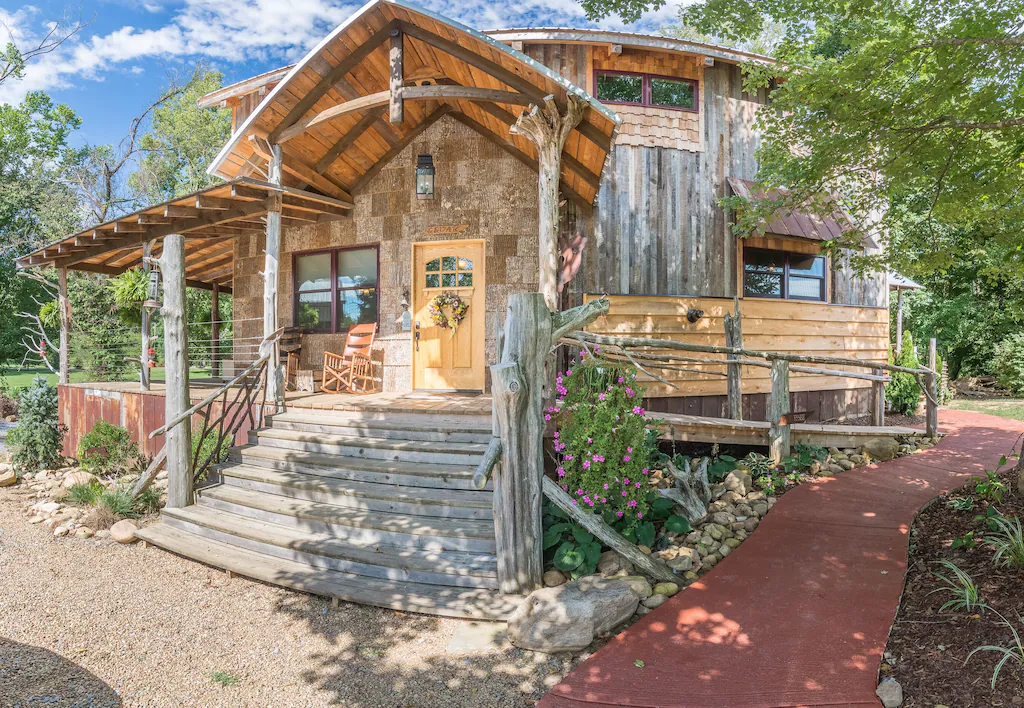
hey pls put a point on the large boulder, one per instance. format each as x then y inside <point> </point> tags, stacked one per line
<point>739,481</point>
<point>569,617</point>
<point>881,448</point>
<point>77,477</point>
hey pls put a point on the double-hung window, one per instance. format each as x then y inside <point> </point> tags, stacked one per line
<point>792,276</point>
<point>646,90</point>
<point>335,289</point>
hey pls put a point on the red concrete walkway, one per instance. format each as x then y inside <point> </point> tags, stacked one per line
<point>799,614</point>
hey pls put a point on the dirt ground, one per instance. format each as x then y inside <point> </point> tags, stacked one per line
<point>89,623</point>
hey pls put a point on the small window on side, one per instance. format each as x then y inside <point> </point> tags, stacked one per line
<point>779,274</point>
<point>674,94</point>
<point>620,88</point>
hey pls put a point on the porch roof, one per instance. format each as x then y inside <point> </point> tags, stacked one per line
<point>329,113</point>
<point>209,219</point>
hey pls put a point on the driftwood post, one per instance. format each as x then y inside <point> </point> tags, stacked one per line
<point>147,317</point>
<point>64,312</point>
<point>878,400</point>
<point>548,129</point>
<point>931,403</point>
<point>271,267</point>
<point>179,438</point>
<point>215,332</point>
<point>396,113</point>
<point>734,382</point>
<point>899,320</point>
<point>519,387</point>
<point>778,411</point>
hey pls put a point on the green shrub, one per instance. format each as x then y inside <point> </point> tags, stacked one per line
<point>83,494</point>
<point>118,501</point>
<point>109,451</point>
<point>36,441</point>
<point>904,392</point>
<point>1008,364</point>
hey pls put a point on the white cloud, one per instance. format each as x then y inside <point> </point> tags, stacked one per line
<point>243,30</point>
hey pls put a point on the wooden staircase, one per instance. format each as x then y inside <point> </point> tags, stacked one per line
<point>363,506</point>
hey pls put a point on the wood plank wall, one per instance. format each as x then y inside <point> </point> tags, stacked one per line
<point>768,325</point>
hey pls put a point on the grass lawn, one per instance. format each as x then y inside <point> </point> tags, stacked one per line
<point>1004,407</point>
<point>19,378</point>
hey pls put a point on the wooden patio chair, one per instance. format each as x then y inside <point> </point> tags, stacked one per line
<point>352,370</point>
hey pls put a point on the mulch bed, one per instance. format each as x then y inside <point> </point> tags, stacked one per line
<point>927,648</point>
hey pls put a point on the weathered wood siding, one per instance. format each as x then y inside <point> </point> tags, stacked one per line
<point>768,325</point>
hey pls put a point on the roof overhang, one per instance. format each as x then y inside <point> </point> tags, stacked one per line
<point>209,219</point>
<point>902,282</point>
<point>328,112</point>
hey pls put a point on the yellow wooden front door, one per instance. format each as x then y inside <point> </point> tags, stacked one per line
<point>447,359</point>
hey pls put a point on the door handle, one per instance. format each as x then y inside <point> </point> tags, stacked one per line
<point>416,336</point>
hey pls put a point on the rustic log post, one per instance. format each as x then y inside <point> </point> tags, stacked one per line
<point>64,313</point>
<point>931,403</point>
<point>271,267</point>
<point>215,332</point>
<point>179,438</point>
<point>147,318</point>
<point>899,320</point>
<point>878,400</point>
<point>396,58</point>
<point>778,411</point>
<point>548,129</point>
<point>734,382</point>
<point>518,389</point>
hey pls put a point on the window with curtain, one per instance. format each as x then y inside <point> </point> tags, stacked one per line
<point>781,274</point>
<point>335,289</point>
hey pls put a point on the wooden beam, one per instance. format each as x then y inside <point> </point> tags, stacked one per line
<point>398,147</point>
<point>207,202</point>
<point>328,80</point>
<point>397,77</point>
<point>176,400</point>
<point>381,98</point>
<point>176,211</point>
<point>153,219</point>
<point>347,139</point>
<point>240,191</point>
<point>298,168</point>
<point>125,227</point>
<point>479,94</point>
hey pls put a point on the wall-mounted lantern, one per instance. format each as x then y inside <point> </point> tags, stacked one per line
<point>425,177</point>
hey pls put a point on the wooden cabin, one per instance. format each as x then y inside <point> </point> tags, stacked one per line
<point>390,165</point>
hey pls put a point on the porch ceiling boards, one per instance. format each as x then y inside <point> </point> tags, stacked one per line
<point>330,113</point>
<point>208,218</point>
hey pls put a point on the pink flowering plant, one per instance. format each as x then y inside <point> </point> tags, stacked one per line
<point>602,449</point>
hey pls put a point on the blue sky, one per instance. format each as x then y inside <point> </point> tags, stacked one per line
<point>117,64</point>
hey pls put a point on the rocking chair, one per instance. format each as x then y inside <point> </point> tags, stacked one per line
<point>352,370</point>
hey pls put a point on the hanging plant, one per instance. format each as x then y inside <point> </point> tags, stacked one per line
<point>447,311</point>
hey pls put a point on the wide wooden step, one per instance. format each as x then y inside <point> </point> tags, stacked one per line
<point>366,496</point>
<point>431,428</point>
<point>397,595</point>
<point>407,474</point>
<point>452,568</point>
<point>372,448</point>
<point>363,526</point>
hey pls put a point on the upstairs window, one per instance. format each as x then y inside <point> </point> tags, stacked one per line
<point>792,276</point>
<point>335,289</point>
<point>646,90</point>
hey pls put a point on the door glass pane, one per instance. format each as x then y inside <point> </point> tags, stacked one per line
<point>679,94</point>
<point>448,263</point>
<point>465,280</point>
<point>762,284</point>
<point>434,264</point>
<point>357,268</point>
<point>465,264</point>
<point>448,280</point>
<point>620,87</point>
<point>806,288</point>
<point>763,260</point>
<point>314,311</point>
<point>356,307</point>
<point>313,272</point>
<point>806,265</point>
<point>433,280</point>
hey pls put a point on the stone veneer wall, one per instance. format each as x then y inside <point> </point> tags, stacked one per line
<point>476,184</point>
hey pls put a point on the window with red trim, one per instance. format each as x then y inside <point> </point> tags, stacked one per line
<point>335,289</point>
<point>646,90</point>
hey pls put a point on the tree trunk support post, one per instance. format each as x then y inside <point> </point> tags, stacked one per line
<point>396,60</point>
<point>931,402</point>
<point>778,412</point>
<point>878,401</point>
<point>271,268</point>
<point>548,128</point>
<point>519,388</point>
<point>899,320</point>
<point>64,312</point>
<point>215,332</point>
<point>734,380</point>
<point>179,438</point>
<point>147,318</point>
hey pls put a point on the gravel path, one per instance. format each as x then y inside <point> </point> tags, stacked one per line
<point>91,624</point>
